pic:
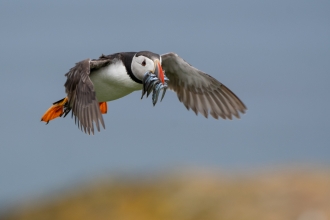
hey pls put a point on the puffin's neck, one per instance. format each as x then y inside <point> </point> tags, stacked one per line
<point>127,58</point>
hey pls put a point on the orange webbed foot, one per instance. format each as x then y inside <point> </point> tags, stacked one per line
<point>56,110</point>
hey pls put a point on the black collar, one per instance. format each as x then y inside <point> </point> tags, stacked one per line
<point>127,58</point>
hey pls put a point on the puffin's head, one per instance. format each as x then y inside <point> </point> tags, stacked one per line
<point>145,61</point>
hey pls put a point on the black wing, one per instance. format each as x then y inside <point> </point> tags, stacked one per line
<point>81,94</point>
<point>200,91</point>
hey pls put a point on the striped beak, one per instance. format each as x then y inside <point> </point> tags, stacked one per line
<point>158,71</point>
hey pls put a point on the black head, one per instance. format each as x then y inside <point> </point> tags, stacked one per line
<point>146,61</point>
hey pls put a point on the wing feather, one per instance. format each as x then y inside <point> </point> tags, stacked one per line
<point>199,91</point>
<point>81,94</point>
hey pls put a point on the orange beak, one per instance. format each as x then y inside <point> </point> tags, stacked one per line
<point>159,71</point>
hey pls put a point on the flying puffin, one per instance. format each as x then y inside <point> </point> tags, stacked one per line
<point>92,83</point>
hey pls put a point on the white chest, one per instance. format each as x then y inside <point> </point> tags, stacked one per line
<point>113,82</point>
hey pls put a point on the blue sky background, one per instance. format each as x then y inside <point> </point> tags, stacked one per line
<point>275,55</point>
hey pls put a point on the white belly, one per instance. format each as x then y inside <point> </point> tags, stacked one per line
<point>113,82</point>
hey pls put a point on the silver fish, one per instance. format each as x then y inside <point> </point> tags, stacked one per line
<point>151,83</point>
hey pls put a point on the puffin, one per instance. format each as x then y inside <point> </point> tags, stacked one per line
<point>91,83</point>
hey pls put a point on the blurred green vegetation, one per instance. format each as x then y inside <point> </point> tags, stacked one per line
<point>301,195</point>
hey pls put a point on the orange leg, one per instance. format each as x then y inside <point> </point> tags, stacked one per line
<point>103,107</point>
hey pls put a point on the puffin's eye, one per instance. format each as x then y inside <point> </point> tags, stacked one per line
<point>143,63</point>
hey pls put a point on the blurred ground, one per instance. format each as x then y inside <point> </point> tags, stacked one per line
<point>294,194</point>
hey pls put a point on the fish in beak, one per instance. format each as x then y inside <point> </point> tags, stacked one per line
<point>158,71</point>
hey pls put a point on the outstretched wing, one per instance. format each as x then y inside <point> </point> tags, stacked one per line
<point>81,94</point>
<point>200,91</point>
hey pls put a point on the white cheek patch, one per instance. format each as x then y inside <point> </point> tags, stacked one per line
<point>150,66</point>
<point>139,59</point>
<point>137,69</point>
